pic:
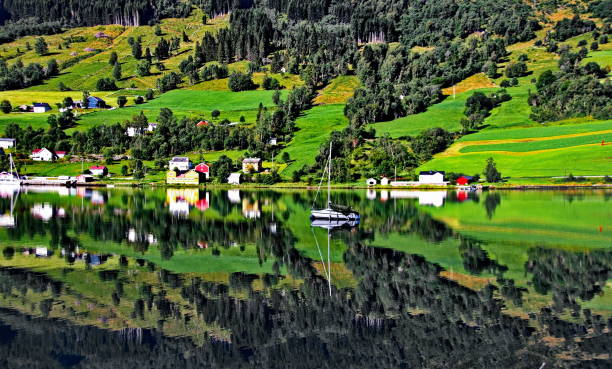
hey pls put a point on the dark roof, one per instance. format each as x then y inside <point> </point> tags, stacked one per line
<point>431,172</point>
<point>95,98</point>
<point>180,159</point>
<point>41,105</point>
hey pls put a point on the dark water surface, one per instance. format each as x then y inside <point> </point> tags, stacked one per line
<point>183,278</point>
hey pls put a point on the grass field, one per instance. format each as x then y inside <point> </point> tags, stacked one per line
<point>313,129</point>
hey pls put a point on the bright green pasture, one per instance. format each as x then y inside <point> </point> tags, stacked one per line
<point>200,104</point>
<point>313,129</point>
<point>540,145</point>
<point>546,130</point>
<point>582,160</point>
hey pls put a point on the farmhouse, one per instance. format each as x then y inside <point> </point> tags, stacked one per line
<point>190,177</point>
<point>41,108</point>
<point>432,177</point>
<point>98,170</point>
<point>7,143</point>
<point>181,163</point>
<point>384,181</point>
<point>203,169</point>
<point>43,155</point>
<point>234,178</point>
<point>251,165</point>
<point>371,182</point>
<point>94,102</point>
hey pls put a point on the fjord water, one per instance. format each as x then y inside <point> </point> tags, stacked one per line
<point>188,278</point>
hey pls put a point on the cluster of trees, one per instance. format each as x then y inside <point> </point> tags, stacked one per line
<point>74,14</point>
<point>568,28</point>
<point>19,76</point>
<point>398,81</point>
<point>574,91</point>
<point>12,30</point>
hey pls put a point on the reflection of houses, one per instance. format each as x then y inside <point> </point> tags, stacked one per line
<point>181,200</point>
<point>96,197</point>
<point>233,196</point>
<point>426,198</point>
<point>134,237</point>
<point>43,212</point>
<point>250,210</point>
<point>251,165</point>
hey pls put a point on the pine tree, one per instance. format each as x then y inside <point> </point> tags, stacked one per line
<point>41,46</point>
<point>117,71</point>
<point>491,172</point>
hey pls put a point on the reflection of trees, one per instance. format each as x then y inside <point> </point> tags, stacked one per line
<point>491,202</point>
<point>476,260</point>
<point>568,275</point>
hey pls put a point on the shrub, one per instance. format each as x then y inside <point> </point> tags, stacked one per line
<point>240,82</point>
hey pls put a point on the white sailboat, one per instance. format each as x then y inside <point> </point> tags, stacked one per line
<point>332,211</point>
<point>10,178</point>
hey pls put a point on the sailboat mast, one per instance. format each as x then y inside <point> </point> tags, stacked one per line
<point>329,175</point>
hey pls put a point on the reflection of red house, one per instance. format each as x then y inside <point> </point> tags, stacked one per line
<point>203,204</point>
<point>463,180</point>
<point>204,169</point>
<point>462,195</point>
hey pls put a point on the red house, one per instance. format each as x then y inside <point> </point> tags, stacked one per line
<point>463,180</point>
<point>202,123</point>
<point>203,169</point>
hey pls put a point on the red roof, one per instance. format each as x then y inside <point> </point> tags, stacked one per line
<point>202,123</point>
<point>36,151</point>
<point>60,152</point>
<point>98,167</point>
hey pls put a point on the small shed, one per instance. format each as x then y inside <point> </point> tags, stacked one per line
<point>384,181</point>
<point>94,102</point>
<point>371,182</point>
<point>464,180</point>
<point>203,169</point>
<point>7,143</point>
<point>41,108</point>
<point>98,170</point>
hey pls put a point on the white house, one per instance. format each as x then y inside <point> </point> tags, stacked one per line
<point>60,154</point>
<point>98,170</point>
<point>41,108</point>
<point>371,182</point>
<point>180,163</point>
<point>432,177</point>
<point>152,127</point>
<point>234,178</point>
<point>7,143</point>
<point>384,181</point>
<point>273,142</point>
<point>42,155</point>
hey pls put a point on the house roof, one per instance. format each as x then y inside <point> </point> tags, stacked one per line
<point>7,139</point>
<point>95,98</point>
<point>60,152</point>
<point>251,160</point>
<point>467,177</point>
<point>180,159</point>
<point>234,175</point>
<point>202,123</point>
<point>41,105</point>
<point>36,151</point>
<point>431,172</point>
<point>99,167</point>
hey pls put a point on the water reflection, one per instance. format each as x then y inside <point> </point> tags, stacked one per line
<point>193,278</point>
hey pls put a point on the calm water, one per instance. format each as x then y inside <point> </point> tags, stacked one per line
<point>183,278</point>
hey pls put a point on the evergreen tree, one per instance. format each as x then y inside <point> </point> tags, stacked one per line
<point>112,59</point>
<point>41,46</point>
<point>491,173</point>
<point>117,71</point>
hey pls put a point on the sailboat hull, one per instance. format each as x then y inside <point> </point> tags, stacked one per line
<point>331,214</point>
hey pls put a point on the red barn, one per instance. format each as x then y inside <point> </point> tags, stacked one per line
<point>463,180</point>
<point>204,169</point>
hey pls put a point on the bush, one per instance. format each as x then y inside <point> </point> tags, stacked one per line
<point>150,95</point>
<point>270,83</point>
<point>106,84</point>
<point>516,70</point>
<point>240,82</point>
<point>139,100</point>
<point>215,114</point>
<point>169,82</point>
<point>121,101</point>
<point>6,106</point>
